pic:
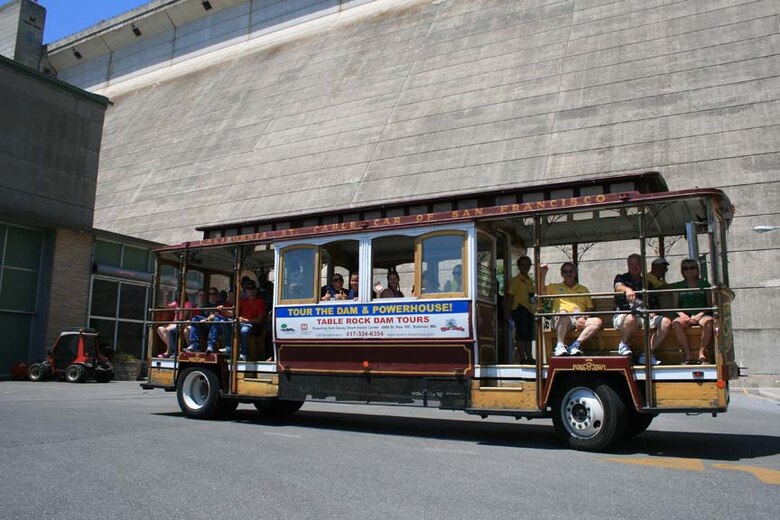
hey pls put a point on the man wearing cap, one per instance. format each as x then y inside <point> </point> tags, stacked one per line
<point>630,302</point>
<point>656,278</point>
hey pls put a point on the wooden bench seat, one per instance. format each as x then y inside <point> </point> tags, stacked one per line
<point>259,347</point>
<point>605,342</point>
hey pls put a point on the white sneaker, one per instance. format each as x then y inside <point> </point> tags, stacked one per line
<point>653,360</point>
<point>561,350</point>
<point>575,350</point>
<point>241,357</point>
<point>624,350</point>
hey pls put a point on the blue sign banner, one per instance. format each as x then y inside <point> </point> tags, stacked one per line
<point>398,319</point>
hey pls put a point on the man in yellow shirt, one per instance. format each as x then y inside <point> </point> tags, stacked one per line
<point>521,290</point>
<point>656,278</point>
<point>571,308</point>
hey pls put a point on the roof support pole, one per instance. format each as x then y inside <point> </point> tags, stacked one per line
<point>649,398</point>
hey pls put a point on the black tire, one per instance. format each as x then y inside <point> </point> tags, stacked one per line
<point>227,408</point>
<point>637,423</point>
<point>104,376</point>
<point>36,372</point>
<point>264,406</point>
<point>198,393</point>
<point>75,374</point>
<point>590,416</point>
<point>277,407</point>
<point>287,407</point>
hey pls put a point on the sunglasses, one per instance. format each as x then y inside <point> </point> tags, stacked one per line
<point>690,268</point>
<point>338,279</point>
<point>568,272</point>
<point>213,293</point>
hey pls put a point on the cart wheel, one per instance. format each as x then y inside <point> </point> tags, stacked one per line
<point>35,372</point>
<point>198,393</point>
<point>590,416</point>
<point>104,376</point>
<point>75,374</point>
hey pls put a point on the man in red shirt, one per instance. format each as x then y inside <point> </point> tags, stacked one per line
<point>251,313</point>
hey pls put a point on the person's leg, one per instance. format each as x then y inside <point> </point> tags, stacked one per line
<point>227,337</point>
<point>659,329</point>
<point>679,332</point>
<point>592,326</point>
<point>562,327</point>
<point>195,334</point>
<point>514,351</point>
<point>173,334</point>
<point>162,332</point>
<point>630,324</point>
<point>246,331</point>
<point>706,324</point>
<point>525,332</point>
<point>214,331</point>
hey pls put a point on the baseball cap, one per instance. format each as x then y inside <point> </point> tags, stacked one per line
<point>661,261</point>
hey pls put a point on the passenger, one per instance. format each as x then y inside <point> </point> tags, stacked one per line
<point>223,296</point>
<point>251,314</point>
<point>354,285</point>
<point>201,301</point>
<point>393,290</point>
<point>245,280</point>
<point>429,283</point>
<point>206,313</point>
<point>265,289</point>
<point>169,333</point>
<point>223,316</point>
<point>572,307</point>
<point>521,290</point>
<point>690,301</point>
<point>456,284</point>
<point>335,290</point>
<point>630,285</point>
<point>656,278</point>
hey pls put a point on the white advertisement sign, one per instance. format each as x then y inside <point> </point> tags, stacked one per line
<point>418,319</point>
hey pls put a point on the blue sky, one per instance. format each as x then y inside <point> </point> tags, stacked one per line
<point>65,17</point>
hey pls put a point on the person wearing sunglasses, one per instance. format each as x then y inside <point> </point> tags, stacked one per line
<point>693,304</point>
<point>572,308</point>
<point>335,289</point>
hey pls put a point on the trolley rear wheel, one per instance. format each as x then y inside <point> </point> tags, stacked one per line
<point>590,416</point>
<point>198,393</point>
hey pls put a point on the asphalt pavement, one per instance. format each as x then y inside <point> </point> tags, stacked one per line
<point>117,451</point>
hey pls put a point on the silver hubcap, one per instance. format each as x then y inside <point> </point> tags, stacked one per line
<point>582,413</point>
<point>195,390</point>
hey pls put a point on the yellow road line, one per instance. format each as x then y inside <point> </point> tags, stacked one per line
<point>661,462</point>
<point>767,476</point>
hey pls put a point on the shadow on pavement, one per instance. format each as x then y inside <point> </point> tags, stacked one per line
<point>702,445</point>
<point>694,445</point>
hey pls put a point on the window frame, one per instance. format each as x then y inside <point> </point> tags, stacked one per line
<point>494,254</point>
<point>365,263</point>
<point>418,259</point>
<point>280,253</point>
